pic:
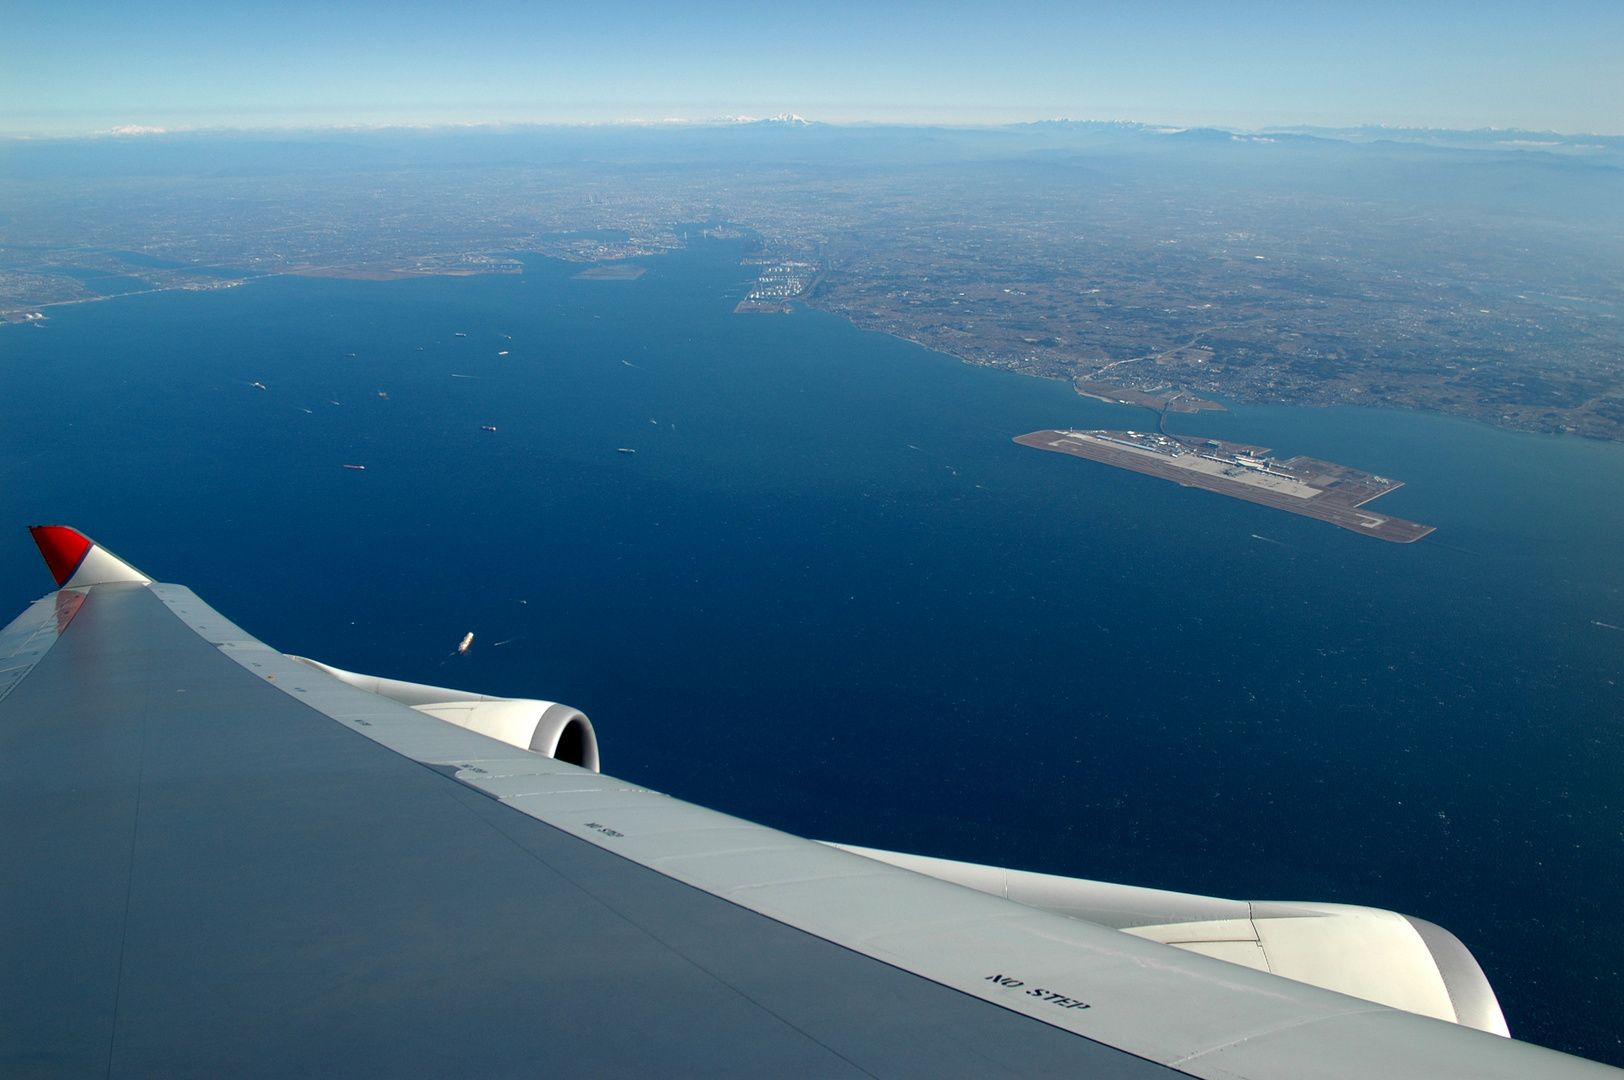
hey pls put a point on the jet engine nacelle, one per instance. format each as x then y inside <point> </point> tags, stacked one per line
<point>1381,956</point>
<point>546,727</point>
<point>558,731</point>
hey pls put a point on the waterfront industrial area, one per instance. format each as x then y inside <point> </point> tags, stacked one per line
<point>1123,259</point>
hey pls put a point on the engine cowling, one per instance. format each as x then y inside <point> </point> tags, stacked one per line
<point>1381,956</point>
<point>546,727</point>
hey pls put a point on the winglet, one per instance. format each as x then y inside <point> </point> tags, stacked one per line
<point>75,560</point>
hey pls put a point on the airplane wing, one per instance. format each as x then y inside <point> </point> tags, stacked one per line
<point>217,859</point>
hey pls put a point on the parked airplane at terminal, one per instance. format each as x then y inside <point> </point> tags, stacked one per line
<point>219,859</point>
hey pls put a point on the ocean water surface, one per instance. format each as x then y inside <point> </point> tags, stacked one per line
<point>828,593</point>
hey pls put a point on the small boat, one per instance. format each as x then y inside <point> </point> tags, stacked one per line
<point>504,352</point>
<point>363,467</point>
<point>459,335</point>
<point>260,385</point>
<point>467,641</point>
<point>625,450</point>
<point>487,427</point>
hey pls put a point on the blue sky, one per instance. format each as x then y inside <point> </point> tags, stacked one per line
<point>71,67</point>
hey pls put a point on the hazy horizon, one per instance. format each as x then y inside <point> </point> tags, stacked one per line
<point>89,67</point>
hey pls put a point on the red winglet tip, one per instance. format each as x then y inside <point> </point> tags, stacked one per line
<point>64,549</point>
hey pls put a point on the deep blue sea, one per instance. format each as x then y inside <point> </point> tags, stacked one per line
<point>828,592</point>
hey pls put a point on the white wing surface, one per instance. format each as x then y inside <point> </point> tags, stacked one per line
<point>216,859</point>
